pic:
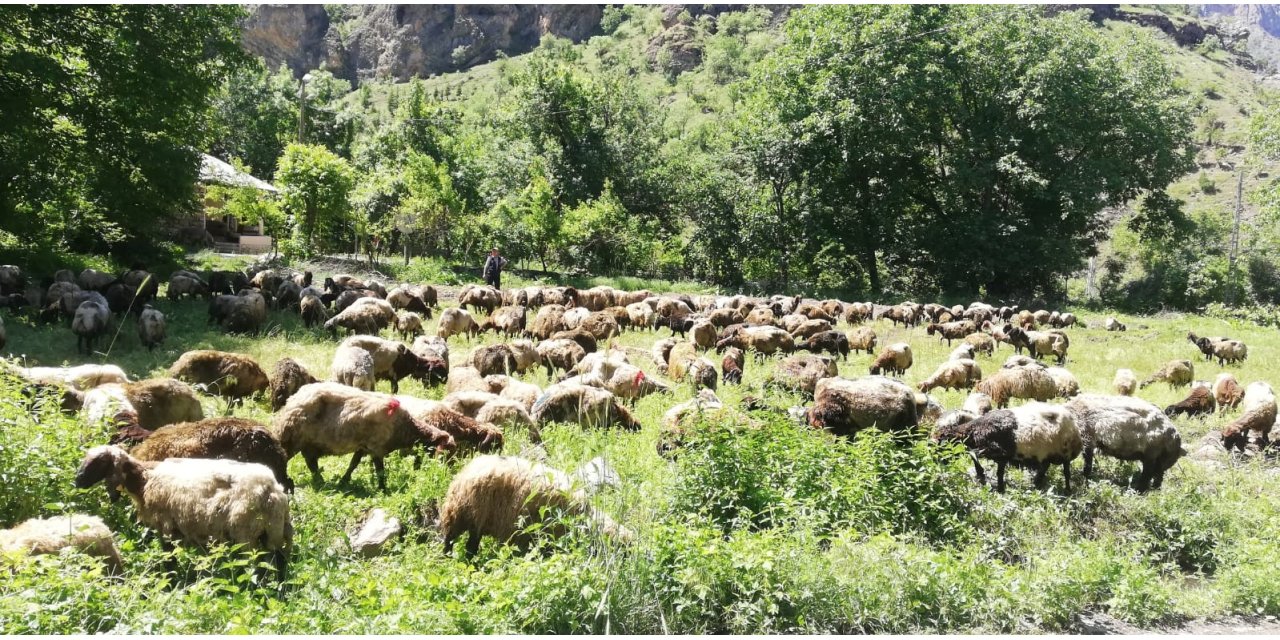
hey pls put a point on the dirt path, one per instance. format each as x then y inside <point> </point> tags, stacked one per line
<point>1103,624</point>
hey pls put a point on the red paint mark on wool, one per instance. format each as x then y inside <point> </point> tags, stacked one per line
<point>392,406</point>
<point>639,378</point>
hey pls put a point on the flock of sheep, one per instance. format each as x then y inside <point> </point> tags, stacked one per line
<point>198,479</point>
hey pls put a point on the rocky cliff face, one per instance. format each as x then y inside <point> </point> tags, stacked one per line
<point>1260,20</point>
<point>404,41</point>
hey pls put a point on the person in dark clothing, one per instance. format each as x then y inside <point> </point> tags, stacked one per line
<point>492,271</point>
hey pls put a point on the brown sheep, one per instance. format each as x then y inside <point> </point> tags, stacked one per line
<point>583,405</point>
<point>601,325</point>
<point>1178,373</point>
<point>583,338</point>
<point>862,339</point>
<point>478,297</point>
<point>952,330</point>
<point>1227,391</point>
<point>1199,402</point>
<point>1027,384</point>
<point>731,366</point>
<point>286,378</point>
<point>482,436</point>
<point>408,325</point>
<point>313,311</point>
<point>981,342</point>
<point>548,321</point>
<point>393,361</point>
<point>953,374</point>
<point>845,407</point>
<point>457,321</point>
<point>142,406</point>
<point>802,373</point>
<point>895,359</point>
<point>1259,416</point>
<point>500,497</point>
<point>509,321</point>
<point>220,439</point>
<point>326,418</point>
<point>230,375</point>
<point>560,354</point>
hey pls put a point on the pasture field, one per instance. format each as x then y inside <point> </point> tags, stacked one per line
<point>781,529</point>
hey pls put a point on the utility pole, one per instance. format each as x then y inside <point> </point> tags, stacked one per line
<point>1235,239</point>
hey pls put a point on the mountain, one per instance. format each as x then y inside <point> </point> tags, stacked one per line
<point>360,42</point>
<point>1260,21</point>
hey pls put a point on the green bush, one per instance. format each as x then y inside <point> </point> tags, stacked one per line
<point>757,477</point>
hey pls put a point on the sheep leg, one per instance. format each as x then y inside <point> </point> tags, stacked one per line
<point>473,544</point>
<point>1000,468</point>
<point>351,468</point>
<point>1042,474</point>
<point>1066,476</point>
<point>978,470</point>
<point>1088,461</point>
<point>381,472</point>
<point>313,464</point>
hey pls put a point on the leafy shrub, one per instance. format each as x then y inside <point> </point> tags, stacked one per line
<point>744,476</point>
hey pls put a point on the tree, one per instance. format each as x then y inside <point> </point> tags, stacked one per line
<point>105,109</point>
<point>257,115</point>
<point>431,206</point>
<point>316,185</point>
<point>980,155</point>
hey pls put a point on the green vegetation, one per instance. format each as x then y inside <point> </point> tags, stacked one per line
<point>769,529</point>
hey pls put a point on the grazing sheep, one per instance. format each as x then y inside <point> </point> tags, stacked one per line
<point>602,325</point>
<point>952,330</point>
<point>810,328</point>
<point>80,378</point>
<point>1039,343</point>
<point>862,339</point>
<point>684,363</point>
<point>485,407</point>
<point>230,375</point>
<point>493,359</point>
<point>500,497</point>
<point>764,341</point>
<point>480,297</point>
<point>1199,402</point>
<point>41,536</point>
<point>406,297</point>
<point>1259,416</point>
<point>857,312</point>
<point>431,346</point>
<point>1127,429</point>
<point>894,359</point>
<point>1177,373</point>
<point>313,311</point>
<point>199,500</point>
<point>510,321</point>
<point>408,325</point>
<point>560,354</point>
<point>583,405</point>
<point>548,321</point>
<point>482,435</point>
<point>326,419</point>
<point>216,438</point>
<point>1111,324</point>
<point>1065,381</point>
<point>963,352</point>
<point>1036,434</point>
<point>731,366</point>
<point>703,334</point>
<point>583,338</point>
<point>953,374</point>
<point>845,407</point>
<point>801,373</point>
<point>90,322</point>
<point>286,378</point>
<point>289,293</point>
<point>353,366</point>
<point>151,327</point>
<point>641,316</point>
<point>1224,350</point>
<point>660,352</point>
<point>457,321</point>
<point>366,319</point>
<point>94,280</point>
<point>1021,362</point>
<point>466,379</point>
<point>1027,384</point>
<point>1125,382</point>
<point>832,342</point>
<point>394,361</point>
<point>1227,391</point>
<point>144,405</point>
<point>981,343</point>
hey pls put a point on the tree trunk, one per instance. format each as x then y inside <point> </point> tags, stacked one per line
<point>873,269</point>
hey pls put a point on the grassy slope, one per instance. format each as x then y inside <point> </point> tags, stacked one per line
<point>1091,550</point>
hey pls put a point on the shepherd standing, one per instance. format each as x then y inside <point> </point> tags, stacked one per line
<point>492,271</point>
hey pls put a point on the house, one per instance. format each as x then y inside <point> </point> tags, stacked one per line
<point>224,231</point>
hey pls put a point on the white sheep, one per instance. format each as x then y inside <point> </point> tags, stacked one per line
<point>38,536</point>
<point>1127,428</point>
<point>199,500</point>
<point>499,496</point>
<point>151,327</point>
<point>1125,382</point>
<point>1035,433</point>
<point>353,367</point>
<point>81,377</point>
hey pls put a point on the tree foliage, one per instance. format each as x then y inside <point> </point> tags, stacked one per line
<point>316,186</point>
<point>105,109</point>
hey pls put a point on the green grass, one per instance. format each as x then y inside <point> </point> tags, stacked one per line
<point>859,537</point>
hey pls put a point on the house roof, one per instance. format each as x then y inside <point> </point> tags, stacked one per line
<point>219,172</point>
